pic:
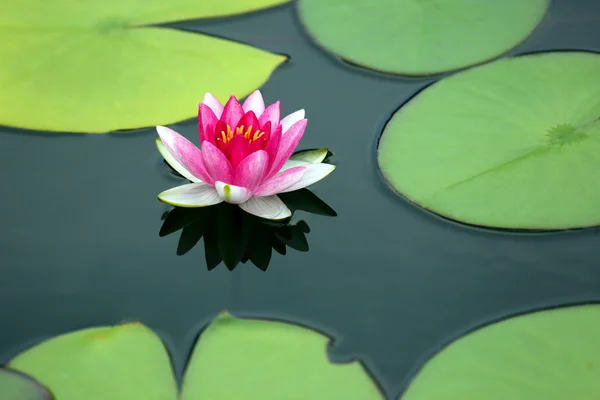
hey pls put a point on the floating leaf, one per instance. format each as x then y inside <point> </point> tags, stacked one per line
<point>546,355</point>
<point>269,360</point>
<point>511,144</point>
<point>15,385</point>
<point>417,37</point>
<point>233,358</point>
<point>123,362</point>
<point>94,67</point>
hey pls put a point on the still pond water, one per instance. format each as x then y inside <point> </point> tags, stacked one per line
<point>79,242</point>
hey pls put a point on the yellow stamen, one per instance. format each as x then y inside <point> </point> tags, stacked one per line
<point>251,136</point>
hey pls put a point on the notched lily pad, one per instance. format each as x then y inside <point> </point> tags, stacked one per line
<point>233,358</point>
<point>420,37</point>
<point>122,362</point>
<point>15,385</point>
<point>545,355</point>
<point>513,144</point>
<point>94,67</point>
<point>269,360</point>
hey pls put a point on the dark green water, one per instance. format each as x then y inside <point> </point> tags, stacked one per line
<point>79,242</point>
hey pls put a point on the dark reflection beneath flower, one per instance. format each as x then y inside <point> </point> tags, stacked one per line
<point>232,236</point>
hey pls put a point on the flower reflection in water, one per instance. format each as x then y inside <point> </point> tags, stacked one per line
<point>232,236</point>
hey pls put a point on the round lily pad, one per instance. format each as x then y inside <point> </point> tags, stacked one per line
<point>97,66</point>
<point>123,362</point>
<point>15,385</point>
<point>546,355</point>
<point>512,144</point>
<point>244,358</point>
<point>419,37</point>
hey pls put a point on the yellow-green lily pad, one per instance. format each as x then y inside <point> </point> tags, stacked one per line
<point>97,66</point>
<point>233,359</point>
<point>545,355</point>
<point>420,37</point>
<point>512,144</point>
<point>15,385</point>
<point>122,362</point>
<point>245,358</point>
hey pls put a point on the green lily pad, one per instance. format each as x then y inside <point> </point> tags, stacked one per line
<point>420,37</point>
<point>233,359</point>
<point>545,355</point>
<point>512,144</point>
<point>15,385</point>
<point>245,358</point>
<point>97,67</point>
<point>123,362</point>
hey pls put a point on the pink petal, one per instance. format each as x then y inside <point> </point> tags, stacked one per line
<point>254,103</point>
<point>237,149</point>
<point>207,122</point>
<point>251,170</point>
<point>232,112</point>
<point>214,104</point>
<point>231,193</point>
<point>249,119</point>
<point>272,113</point>
<point>261,142</point>
<point>273,144</point>
<point>280,182</point>
<point>287,145</point>
<point>168,157</point>
<point>313,174</point>
<point>216,163</point>
<point>184,151</point>
<point>291,119</point>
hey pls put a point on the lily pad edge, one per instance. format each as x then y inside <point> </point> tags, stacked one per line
<point>484,228</point>
<point>389,74</point>
<point>437,349</point>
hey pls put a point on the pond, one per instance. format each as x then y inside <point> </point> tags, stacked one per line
<point>388,281</point>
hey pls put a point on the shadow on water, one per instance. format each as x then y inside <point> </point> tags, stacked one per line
<point>232,236</point>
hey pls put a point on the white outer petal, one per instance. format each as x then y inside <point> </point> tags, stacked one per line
<point>214,104</point>
<point>314,156</point>
<point>255,103</point>
<point>313,174</point>
<point>231,193</point>
<point>162,149</point>
<point>292,163</point>
<point>191,195</point>
<point>269,207</point>
<point>291,119</point>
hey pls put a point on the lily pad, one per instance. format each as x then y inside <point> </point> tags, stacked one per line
<point>420,37</point>
<point>97,66</point>
<point>512,144</point>
<point>233,359</point>
<point>545,355</point>
<point>271,361</point>
<point>15,385</point>
<point>122,362</point>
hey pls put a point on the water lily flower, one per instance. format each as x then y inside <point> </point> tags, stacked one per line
<point>244,157</point>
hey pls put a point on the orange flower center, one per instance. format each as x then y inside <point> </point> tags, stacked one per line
<point>249,134</point>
